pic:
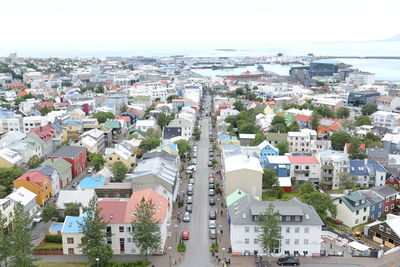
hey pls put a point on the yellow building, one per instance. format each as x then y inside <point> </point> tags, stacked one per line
<point>37,183</point>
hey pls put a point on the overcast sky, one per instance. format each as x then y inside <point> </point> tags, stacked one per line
<point>105,22</point>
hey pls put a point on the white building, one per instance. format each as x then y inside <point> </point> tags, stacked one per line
<point>32,122</point>
<point>361,78</point>
<point>144,125</point>
<point>26,198</point>
<point>305,169</point>
<point>6,210</point>
<point>300,227</point>
<point>352,209</point>
<point>386,119</point>
<point>301,141</point>
<point>332,164</point>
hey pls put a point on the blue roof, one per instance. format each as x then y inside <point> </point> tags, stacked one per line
<point>378,167</point>
<point>72,225</point>
<point>226,137</point>
<point>357,167</point>
<point>56,227</point>
<point>91,182</point>
<point>172,146</point>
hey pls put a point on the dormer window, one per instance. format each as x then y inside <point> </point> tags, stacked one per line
<point>297,218</point>
<point>363,201</point>
<point>256,218</point>
<point>357,203</point>
<point>287,218</point>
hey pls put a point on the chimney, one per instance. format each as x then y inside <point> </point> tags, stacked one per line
<point>28,178</point>
<point>41,128</point>
<point>80,211</point>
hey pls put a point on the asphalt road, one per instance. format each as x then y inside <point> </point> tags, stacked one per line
<point>197,247</point>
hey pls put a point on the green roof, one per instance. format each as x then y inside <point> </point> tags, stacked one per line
<point>234,196</point>
<point>289,118</point>
<point>139,132</point>
<point>112,124</point>
<point>354,196</point>
<point>281,137</point>
<point>58,163</point>
<point>141,97</point>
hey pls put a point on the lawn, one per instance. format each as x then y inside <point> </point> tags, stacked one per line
<point>285,197</point>
<point>63,264</point>
<point>52,245</point>
<point>338,191</point>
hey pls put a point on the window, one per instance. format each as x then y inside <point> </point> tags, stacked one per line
<point>305,241</point>
<point>306,230</point>
<point>121,229</point>
<point>109,242</point>
<point>297,218</point>
<point>388,231</point>
<point>392,206</point>
<point>340,201</point>
<point>287,241</point>
<point>246,241</point>
<point>108,229</point>
<point>296,241</point>
<point>297,230</point>
<point>129,229</point>
<point>122,240</point>
<point>357,212</point>
<point>247,229</point>
<point>287,218</point>
<point>386,209</point>
<point>287,229</point>
<point>71,251</point>
<point>356,222</point>
<point>364,218</point>
<point>255,229</point>
<point>70,240</point>
<point>255,241</point>
<point>280,218</point>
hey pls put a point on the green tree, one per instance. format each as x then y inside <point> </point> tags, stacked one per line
<point>196,133</point>
<point>339,139</point>
<point>100,89</point>
<point>343,113</point>
<point>363,120</point>
<point>5,239</point>
<point>324,112</point>
<point>119,171</point>
<point>72,209</point>
<point>314,120</point>
<point>270,235</point>
<point>293,127</point>
<point>102,117</point>
<point>278,125</point>
<point>321,203</point>
<point>248,128</point>
<point>239,91</point>
<point>258,139</point>
<point>153,133</point>
<point>145,228</point>
<point>34,162</point>
<point>123,108</point>
<point>239,106</point>
<point>93,242</point>
<point>172,97</point>
<point>50,213</point>
<point>147,111</point>
<point>46,110</point>
<point>354,149</point>
<point>269,178</point>
<point>147,144</point>
<point>372,141</point>
<point>21,250</point>
<point>163,120</point>
<point>283,148</point>
<point>347,180</point>
<point>8,175</point>
<point>183,146</point>
<point>307,188</point>
<point>96,160</point>
<point>369,109</point>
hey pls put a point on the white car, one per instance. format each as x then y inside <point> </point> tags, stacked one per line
<point>190,186</point>
<point>191,169</point>
<point>211,192</point>
<point>189,200</point>
<point>191,181</point>
<point>186,217</point>
<point>195,148</point>
<point>37,218</point>
<point>212,224</point>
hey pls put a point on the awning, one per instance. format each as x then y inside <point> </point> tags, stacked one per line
<point>358,246</point>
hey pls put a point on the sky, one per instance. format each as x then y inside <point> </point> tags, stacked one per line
<point>111,23</point>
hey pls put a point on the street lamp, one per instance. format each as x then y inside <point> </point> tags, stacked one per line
<point>97,262</point>
<point>176,233</point>
<point>170,261</point>
<point>223,253</point>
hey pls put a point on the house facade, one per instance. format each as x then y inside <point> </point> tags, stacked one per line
<point>266,149</point>
<point>37,183</point>
<point>75,155</point>
<point>352,209</point>
<point>305,169</point>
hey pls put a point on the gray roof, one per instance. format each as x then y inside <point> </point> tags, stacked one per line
<point>67,151</point>
<point>170,132</point>
<point>281,137</point>
<point>249,206</point>
<point>171,158</point>
<point>384,190</point>
<point>371,196</point>
<point>379,153</point>
<point>46,170</point>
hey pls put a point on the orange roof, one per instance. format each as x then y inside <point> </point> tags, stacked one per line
<point>347,147</point>
<point>180,100</point>
<point>300,117</point>
<point>22,93</point>
<point>125,118</point>
<point>303,160</point>
<point>16,86</point>
<point>35,178</point>
<point>385,98</point>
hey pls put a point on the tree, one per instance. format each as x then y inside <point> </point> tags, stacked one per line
<point>339,139</point>
<point>239,106</point>
<point>258,139</point>
<point>34,162</point>
<point>278,125</point>
<point>248,128</point>
<point>119,171</point>
<point>369,109</point>
<point>239,91</point>
<point>163,120</point>
<point>5,239</point>
<point>314,120</point>
<point>363,120</point>
<point>102,117</point>
<point>343,113</point>
<point>283,148</point>
<point>196,133</point>
<point>354,149</point>
<point>21,250</point>
<point>154,133</point>
<point>293,127</point>
<point>145,228</point>
<point>269,178</point>
<point>324,112</point>
<point>148,144</point>
<point>346,180</point>
<point>50,213</point>
<point>93,242</point>
<point>123,108</point>
<point>321,203</point>
<point>183,146</point>
<point>8,175</point>
<point>147,111</point>
<point>96,160</point>
<point>307,188</point>
<point>270,236</point>
<point>100,90</point>
<point>72,209</point>
<point>372,141</point>
<point>172,97</point>
<point>46,110</point>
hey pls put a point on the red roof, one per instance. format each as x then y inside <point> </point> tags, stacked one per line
<point>347,146</point>
<point>300,117</point>
<point>303,160</point>
<point>16,86</point>
<point>113,210</point>
<point>62,104</point>
<point>45,133</point>
<point>164,82</point>
<point>35,178</point>
<point>125,118</point>
<point>22,93</point>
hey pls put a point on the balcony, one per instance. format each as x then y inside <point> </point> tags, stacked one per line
<point>327,167</point>
<point>302,170</point>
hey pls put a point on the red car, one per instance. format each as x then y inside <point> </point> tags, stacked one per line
<point>185,235</point>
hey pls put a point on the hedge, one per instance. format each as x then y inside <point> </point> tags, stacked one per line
<point>53,238</point>
<point>140,263</point>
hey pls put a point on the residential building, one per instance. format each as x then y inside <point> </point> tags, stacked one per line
<point>266,149</point>
<point>144,125</point>
<point>9,158</point>
<point>185,124</point>
<point>26,198</point>
<point>74,196</point>
<point>75,155</point>
<point>301,141</point>
<point>386,119</point>
<point>376,209</point>
<point>122,152</point>
<point>385,232</point>
<point>388,103</point>
<point>72,235</point>
<point>300,227</point>
<point>389,195</point>
<point>361,98</point>
<point>391,143</point>
<point>380,155</point>
<point>305,169</point>
<point>44,135</point>
<point>280,164</point>
<point>332,164</point>
<point>52,173</point>
<point>6,211</point>
<point>63,167</point>
<point>393,180</point>
<point>37,183</point>
<point>331,103</point>
<point>31,122</point>
<point>352,209</point>
<point>244,173</point>
<point>276,138</point>
<point>93,140</point>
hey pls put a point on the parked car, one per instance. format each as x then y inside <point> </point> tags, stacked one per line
<point>211,180</point>
<point>210,164</point>
<point>211,201</point>
<point>191,169</point>
<point>90,170</point>
<point>292,261</point>
<point>189,200</point>
<point>194,161</point>
<point>189,208</point>
<point>213,233</point>
<point>210,149</point>
<point>195,148</point>
<point>212,224</point>
<point>211,154</point>
<point>185,235</point>
<point>190,192</point>
<point>74,184</point>
<point>211,192</point>
<point>191,180</point>
<point>190,186</point>
<point>186,217</point>
<point>212,215</point>
<point>211,186</point>
<point>37,218</point>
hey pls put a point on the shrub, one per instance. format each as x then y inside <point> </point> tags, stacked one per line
<point>180,203</point>
<point>53,238</point>
<point>214,247</point>
<point>181,247</point>
<point>139,263</point>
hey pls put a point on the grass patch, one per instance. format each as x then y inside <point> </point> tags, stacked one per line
<point>48,245</point>
<point>338,191</point>
<point>63,264</point>
<point>285,197</point>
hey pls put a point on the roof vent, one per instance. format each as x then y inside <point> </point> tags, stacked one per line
<point>111,216</point>
<point>244,215</point>
<point>307,216</point>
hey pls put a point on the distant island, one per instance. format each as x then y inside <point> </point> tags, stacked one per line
<point>394,38</point>
<point>226,50</point>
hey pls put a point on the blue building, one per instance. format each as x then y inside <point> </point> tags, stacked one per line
<point>266,149</point>
<point>280,164</point>
<point>376,210</point>
<point>359,169</point>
